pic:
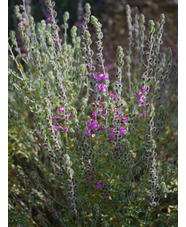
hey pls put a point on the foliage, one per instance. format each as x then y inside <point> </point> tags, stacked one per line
<point>88,146</point>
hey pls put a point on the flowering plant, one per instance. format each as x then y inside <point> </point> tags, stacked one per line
<point>93,138</point>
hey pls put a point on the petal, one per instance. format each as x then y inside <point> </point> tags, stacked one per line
<point>143,90</point>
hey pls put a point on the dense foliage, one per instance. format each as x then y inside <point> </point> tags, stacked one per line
<point>89,146</point>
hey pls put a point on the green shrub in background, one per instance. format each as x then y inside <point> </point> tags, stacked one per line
<point>86,146</point>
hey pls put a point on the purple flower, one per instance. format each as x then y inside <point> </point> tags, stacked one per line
<point>97,77</point>
<point>94,114</point>
<point>105,76</point>
<point>70,116</point>
<point>61,109</point>
<point>87,132</point>
<point>122,130</point>
<point>56,127</point>
<point>124,119</point>
<point>21,22</point>
<point>138,115</point>
<point>139,99</point>
<point>93,125</point>
<point>103,111</point>
<point>101,87</point>
<point>112,95</point>
<point>143,89</point>
<point>89,123</point>
<point>143,106</point>
<point>98,185</point>
<point>47,17</point>
<point>153,107</point>
<point>111,134</point>
<point>99,103</point>
<point>117,116</point>
<point>144,114</point>
<point>65,129</point>
<point>87,179</point>
<point>54,118</point>
<point>101,128</point>
<point>136,94</point>
<point>101,77</point>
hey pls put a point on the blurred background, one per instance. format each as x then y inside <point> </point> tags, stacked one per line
<point>111,13</point>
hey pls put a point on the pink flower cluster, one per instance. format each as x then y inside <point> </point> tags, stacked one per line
<point>61,109</point>
<point>112,95</point>
<point>101,87</point>
<point>112,134</point>
<point>94,114</point>
<point>57,126</point>
<point>140,100</point>
<point>140,96</point>
<point>98,185</point>
<point>101,77</point>
<point>124,119</point>
<point>92,126</point>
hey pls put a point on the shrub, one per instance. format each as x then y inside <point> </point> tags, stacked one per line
<point>89,146</point>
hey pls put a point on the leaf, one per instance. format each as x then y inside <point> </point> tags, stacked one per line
<point>113,181</point>
<point>19,66</point>
<point>70,144</point>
